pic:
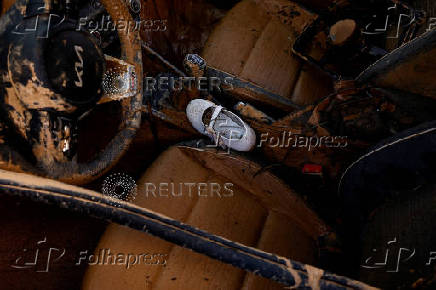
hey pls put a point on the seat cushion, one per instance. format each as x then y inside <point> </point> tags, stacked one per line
<point>230,197</point>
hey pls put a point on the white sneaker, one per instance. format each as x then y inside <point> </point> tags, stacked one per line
<point>224,127</point>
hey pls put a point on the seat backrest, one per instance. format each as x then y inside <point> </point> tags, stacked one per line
<point>410,68</point>
<point>254,42</point>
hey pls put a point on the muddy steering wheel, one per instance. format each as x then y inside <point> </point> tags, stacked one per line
<point>42,97</point>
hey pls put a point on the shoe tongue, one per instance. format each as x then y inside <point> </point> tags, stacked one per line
<point>228,126</point>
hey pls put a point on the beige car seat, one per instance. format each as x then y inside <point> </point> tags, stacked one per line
<point>259,210</point>
<point>254,42</point>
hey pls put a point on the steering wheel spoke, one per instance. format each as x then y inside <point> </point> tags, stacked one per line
<point>56,141</point>
<point>119,81</point>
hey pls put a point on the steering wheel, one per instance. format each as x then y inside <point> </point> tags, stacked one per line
<point>55,74</point>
